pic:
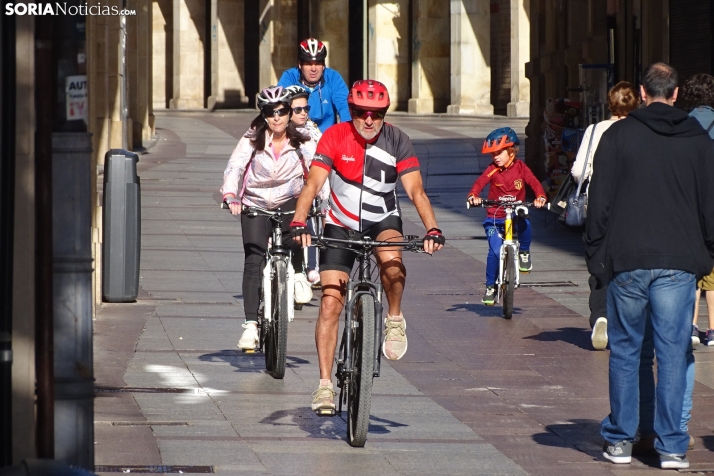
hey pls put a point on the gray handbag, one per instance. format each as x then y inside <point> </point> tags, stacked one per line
<point>577,204</point>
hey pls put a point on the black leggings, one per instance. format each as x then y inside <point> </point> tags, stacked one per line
<point>256,231</point>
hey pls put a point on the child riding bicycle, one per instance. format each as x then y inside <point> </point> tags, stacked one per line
<point>506,176</point>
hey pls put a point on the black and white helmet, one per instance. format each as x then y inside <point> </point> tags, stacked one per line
<point>296,91</point>
<point>312,49</point>
<point>272,96</point>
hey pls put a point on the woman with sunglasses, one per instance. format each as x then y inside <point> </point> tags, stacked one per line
<point>273,151</point>
<point>301,111</point>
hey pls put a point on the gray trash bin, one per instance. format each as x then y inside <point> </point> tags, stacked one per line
<point>121,240</point>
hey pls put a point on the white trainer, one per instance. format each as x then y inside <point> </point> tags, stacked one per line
<point>250,339</point>
<point>395,338</point>
<point>599,335</point>
<point>313,276</point>
<point>303,290</point>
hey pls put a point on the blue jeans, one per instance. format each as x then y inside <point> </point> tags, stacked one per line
<point>494,234</point>
<point>667,297</point>
<point>647,386</point>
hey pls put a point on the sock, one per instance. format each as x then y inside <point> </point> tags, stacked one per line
<point>325,382</point>
<point>398,318</point>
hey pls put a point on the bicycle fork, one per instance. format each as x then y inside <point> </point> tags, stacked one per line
<point>268,275</point>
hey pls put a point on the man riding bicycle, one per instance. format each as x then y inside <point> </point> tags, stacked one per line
<point>363,159</point>
<point>327,90</point>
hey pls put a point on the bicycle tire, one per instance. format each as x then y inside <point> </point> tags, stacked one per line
<point>509,284</point>
<point>359,397</point>
<point>276,340</point>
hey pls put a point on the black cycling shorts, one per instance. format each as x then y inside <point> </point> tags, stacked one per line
<point>344,260</point>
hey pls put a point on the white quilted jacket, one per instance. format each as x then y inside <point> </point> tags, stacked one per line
<point>269,181</point>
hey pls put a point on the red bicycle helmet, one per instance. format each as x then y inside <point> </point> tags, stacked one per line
<point>368,94</point>
<point>312,49</point>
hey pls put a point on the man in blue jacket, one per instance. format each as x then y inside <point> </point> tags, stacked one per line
<point>328,91</point>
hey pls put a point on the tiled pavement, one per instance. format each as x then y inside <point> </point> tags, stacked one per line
<point>475,394</point>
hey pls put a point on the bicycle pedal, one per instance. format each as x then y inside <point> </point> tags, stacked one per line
<point>325,412</point>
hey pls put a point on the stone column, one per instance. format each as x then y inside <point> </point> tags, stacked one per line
<point>161,57</point>
<point>227,55</point>
<point>430,56</point>
<point>266,75</point>
<point>23,293</point>
<point>104,118</point>
<point>520,55</point>
<point>188,54</point>
<point>389,47</point>
<point>138,56</point>
<point>330,27</point>
<point>470,57</point>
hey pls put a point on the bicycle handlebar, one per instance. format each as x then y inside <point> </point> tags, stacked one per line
<point>255,211</point>
<point>499,203</point>
<point>414,243</point>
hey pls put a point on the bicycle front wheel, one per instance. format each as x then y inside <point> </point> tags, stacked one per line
<point>276,336</point>
<point>359,398</point>
<point>509,283</point>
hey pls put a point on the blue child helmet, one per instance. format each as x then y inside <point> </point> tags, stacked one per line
<point>499,139</point>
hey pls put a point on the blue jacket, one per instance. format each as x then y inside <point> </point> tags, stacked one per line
<point>328,96</point>
<point>705,116</point>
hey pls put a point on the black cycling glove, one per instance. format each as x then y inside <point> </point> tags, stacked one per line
<point>298,229</point>
<point>435,235</point>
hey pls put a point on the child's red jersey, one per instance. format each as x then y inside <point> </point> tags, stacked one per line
<point>507,181</point>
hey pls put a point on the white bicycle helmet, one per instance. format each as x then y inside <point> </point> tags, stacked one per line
<point>312,49</point>
<point>272,96</point>
<point>296,91</point>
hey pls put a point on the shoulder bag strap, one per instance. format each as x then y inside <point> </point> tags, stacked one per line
<point>587,159</point>
<point>302,162</point>
<point>245,174</point>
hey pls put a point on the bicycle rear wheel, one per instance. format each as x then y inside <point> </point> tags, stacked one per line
<point>276,336</point>
<point>509,284</point>
<point>359,398</point>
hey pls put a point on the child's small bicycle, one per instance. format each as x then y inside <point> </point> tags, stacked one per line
<point>508,278</point>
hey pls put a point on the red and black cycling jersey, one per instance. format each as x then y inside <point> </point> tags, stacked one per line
<point>363,175</point>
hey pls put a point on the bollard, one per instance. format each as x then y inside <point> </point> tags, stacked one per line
<point>121,227</point>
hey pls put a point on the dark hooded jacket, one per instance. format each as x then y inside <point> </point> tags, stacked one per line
<point>651,200</point>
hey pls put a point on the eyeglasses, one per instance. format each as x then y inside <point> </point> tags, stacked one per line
<point>300,109</point>
<point>283,111</point>
<point>363,114</point>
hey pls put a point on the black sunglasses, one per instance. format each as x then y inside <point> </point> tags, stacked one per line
<point>363,113</point>
<point>283,111</point>
<point>300,109</point>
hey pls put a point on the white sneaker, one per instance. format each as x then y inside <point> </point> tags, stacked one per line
<point>395,338</point>
<point>313,276</point>
<point>249,340</point>
<point>303,290</point>
<point>599,335</point>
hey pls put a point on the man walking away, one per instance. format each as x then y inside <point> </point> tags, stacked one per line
<point>650,230</point>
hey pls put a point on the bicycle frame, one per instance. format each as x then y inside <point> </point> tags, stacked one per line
<point>355,289</point>
<point>508,242</point>
<point>275,251</point>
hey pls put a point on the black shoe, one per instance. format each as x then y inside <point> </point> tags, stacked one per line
<point>524,261</point>
<point>489,297</point>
